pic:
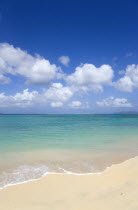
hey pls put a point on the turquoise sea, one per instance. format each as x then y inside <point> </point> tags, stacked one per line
<point>33,145</point>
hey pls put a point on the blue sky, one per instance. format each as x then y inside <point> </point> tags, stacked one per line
<point>68,57</point>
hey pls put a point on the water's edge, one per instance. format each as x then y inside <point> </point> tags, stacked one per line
<point>66,173</point>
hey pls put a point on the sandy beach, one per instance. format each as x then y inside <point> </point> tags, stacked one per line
<point>68,105</point>
<point>116,188</point>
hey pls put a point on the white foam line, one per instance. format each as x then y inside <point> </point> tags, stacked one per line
<point>67,173</point>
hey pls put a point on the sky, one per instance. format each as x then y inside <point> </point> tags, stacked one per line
<point>68,56</point>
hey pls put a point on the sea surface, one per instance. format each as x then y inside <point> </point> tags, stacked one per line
<point>32,146</point>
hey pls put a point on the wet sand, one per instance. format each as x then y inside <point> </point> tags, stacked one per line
<point>116,188</point>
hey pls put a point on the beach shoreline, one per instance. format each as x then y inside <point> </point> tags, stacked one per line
<point>116,187</point>
<point>21,170</point>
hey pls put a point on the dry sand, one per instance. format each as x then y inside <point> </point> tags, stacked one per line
<point>114,189</point>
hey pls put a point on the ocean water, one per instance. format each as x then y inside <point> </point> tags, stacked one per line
<point>34,145</point>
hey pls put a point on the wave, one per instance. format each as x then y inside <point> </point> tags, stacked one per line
<point>27,173</point>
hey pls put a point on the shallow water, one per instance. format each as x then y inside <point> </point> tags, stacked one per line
<point>32,145</point>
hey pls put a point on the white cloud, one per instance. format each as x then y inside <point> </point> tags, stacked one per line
<point>55,96</point>
<point>130,79</point>
<point>24,99</point>
<point>114,102</point>
<point>78,105</point>
<point>64,60</point>
<point>88,77</point>
<point>58,94</point>
<point>75,104</point>
<point>56,104</point>
<point>36,69</point>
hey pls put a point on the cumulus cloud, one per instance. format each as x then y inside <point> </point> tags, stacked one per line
<point>36,69</point>
<point>56,104</point>
<point>89,77</point>
<point>24,99</point>
<point>75,104</point>
<point>78,105</point>
<point>114,102</point>
<point>64,60</point>
<point>55,96</point>
<point>130,79</point>
<point>58,94</point>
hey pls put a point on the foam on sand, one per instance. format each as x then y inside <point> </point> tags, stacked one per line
<point>115,188</point>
